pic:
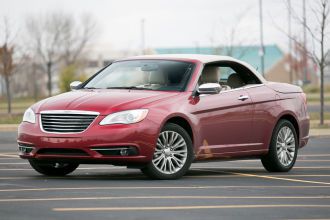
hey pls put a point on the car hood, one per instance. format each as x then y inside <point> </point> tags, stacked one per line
<point>102,101</point>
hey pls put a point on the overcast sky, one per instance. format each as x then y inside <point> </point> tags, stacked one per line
<point>176,23</point>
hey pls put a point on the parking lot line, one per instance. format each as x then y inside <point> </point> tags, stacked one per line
<point>159,208</point>
<point>160,197</point>
<point>163,187</point>
<point>314,155</point>
<point>298,160</point>
<point>18,163</point>
<point>98,176</point>
<point>268,177</point>
<point>194,167</point>
<point>9,155</point>
<point>260,167</point>
<point>280,178</point>
<point>79,168</point>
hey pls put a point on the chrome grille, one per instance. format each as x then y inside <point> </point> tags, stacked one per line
<point>66,122</point>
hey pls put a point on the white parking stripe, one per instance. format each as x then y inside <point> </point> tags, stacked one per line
<point>270,177</point>
<point>160,197</point>
<point>162,187</point>
<point>155,208</point>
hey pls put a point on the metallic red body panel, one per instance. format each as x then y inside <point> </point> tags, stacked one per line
<point>222,126</point>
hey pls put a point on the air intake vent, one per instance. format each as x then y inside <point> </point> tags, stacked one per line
<point>62,151</point>
<point>72,122</point>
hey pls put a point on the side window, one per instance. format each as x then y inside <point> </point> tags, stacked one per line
<point>229,75</point>
<point>225,73</point>
<point>210,74</point>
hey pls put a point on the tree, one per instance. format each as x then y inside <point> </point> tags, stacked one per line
<point>7,65</point>
<point>68,75</point>
<point>319,35</point>
<point>45,35</point>
<point>59,36</point>
<point>321,12</point>
<point>76,36</point>
<point>231,38</point>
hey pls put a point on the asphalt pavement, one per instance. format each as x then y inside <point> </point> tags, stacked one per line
<point>217,190</point>
<point>316,108</point>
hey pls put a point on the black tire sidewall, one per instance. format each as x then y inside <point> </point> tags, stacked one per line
<point>272,158</point>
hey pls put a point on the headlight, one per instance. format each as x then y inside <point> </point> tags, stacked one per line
<point>125,117</point>
<point>29,116</point>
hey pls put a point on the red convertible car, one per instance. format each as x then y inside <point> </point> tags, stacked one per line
<point>161,113</point>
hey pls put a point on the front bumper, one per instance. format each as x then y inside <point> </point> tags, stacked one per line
<point>86,147</point>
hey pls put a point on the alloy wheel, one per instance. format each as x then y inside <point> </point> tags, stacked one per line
<point>170,152</point>
<point>285,146</point>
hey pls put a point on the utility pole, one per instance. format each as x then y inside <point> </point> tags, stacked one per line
<point>290,41</point>
<point>262,48</point>
<point>142,37</point>
<point>304,43</point>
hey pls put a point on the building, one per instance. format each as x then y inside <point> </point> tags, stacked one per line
<point>276,63</point>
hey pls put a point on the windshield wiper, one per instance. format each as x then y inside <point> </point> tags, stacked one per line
<point>89,88</point>
<point>129,87</point>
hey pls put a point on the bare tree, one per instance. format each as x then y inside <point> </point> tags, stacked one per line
<point>319,35</point>
<point>77,34</point>
<point>45,36</point>
<point>7,65</point>
<point>321,12</point>
<point>59,36</point>
<point>231,39</point>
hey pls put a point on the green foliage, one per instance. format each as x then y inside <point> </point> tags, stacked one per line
<point>69,74</point>
<point>315,88</point>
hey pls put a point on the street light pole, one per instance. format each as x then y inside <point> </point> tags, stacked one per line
<point>262,49</point>
<point>290,42</point>
<point>304,49</point>
<point>142,37</point>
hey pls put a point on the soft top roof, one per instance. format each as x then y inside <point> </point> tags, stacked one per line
<point>200,57</point>
<point>203,58</point>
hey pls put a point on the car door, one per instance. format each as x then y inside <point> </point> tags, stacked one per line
<point>265,107</point>
<point>225,122</point>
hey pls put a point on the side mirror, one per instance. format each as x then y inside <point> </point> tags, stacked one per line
<point>209,88</point>
<point>75,85</point>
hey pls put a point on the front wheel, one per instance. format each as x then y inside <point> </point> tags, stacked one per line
<point>173,154</point>
<point>53,168</point>
<point>283,149</point>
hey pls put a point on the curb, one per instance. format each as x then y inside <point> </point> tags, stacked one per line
<point>8,127</point>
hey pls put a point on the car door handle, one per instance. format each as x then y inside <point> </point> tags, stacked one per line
<point>243,97</point>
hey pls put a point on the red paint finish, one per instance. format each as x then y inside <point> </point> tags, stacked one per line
<point>222,126</point>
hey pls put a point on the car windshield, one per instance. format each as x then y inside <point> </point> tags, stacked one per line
<point>161,75</point>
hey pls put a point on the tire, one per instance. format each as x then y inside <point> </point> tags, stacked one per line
<point>283,149</point>
<point>53,168</point>
<point>172,158</point>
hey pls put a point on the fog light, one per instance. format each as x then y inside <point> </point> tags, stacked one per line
<point>25,149</point>
<point>117,151</point>
<point>124,152</point>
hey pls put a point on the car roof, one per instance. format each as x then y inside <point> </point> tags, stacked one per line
<point>200,57</point>
<point>203,58</point>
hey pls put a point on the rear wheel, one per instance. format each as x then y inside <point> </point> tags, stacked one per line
<point>173,154</point>
<point>283,149</point>
<point>53,168</point>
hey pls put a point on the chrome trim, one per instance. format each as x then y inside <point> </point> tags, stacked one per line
<point>107,149</point>
<point>254,85</point>
<point>243,97</point>
<point>244,87</point>
<point>80,112</point>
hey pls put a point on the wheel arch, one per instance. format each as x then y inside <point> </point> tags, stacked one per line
<point>291,118</point>
<point>184,123</point>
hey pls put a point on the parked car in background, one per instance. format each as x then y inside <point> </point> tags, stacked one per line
<point>161,113</point>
